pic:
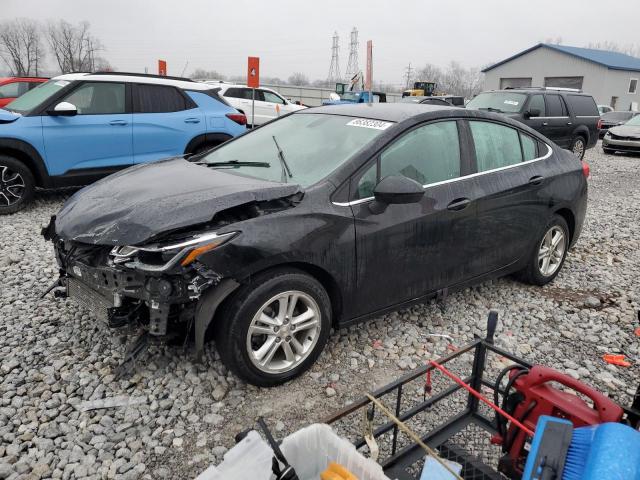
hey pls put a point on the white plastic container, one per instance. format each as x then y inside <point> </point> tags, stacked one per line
<point>308,450</point>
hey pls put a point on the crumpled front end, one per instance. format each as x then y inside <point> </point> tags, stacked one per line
<point>155,287</point>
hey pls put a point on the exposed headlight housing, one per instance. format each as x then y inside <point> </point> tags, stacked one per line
<point>167,256</point>
<point>608,134</point>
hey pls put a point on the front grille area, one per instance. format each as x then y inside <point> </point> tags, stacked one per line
<point>89,299</point>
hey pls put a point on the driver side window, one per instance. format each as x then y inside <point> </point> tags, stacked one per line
<point>427,154</point>
<point>98,98</point>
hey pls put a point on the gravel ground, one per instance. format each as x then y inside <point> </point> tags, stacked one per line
<point>54,357</point>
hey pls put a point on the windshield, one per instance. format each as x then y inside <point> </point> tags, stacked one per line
<point>35,97</point>
<point>350,96</point>
<point>617,116</point>
<point>634,122</point>
<point>506,102</point>
<point>313,145</point>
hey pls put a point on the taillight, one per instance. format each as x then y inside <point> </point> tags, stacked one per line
<point>599,123</point>
<point>586,171</point>
<point>239,118</point>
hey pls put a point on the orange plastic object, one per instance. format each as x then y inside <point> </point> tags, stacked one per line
<point>337,472</point>
<point>618,360</point>
<point>637,332</point>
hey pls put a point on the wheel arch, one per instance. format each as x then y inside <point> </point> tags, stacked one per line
<point>570,218</point>
<point>27,154</point>
<point>326,279</point>
<point>205,139</point>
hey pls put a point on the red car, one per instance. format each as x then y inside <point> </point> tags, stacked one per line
<point>12,87</point>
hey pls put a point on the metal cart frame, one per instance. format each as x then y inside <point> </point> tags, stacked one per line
<point>395,465</point>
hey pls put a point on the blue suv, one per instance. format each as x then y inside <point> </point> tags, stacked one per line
<point>79,127</point>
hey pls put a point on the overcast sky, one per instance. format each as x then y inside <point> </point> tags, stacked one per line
<point>295,35</point>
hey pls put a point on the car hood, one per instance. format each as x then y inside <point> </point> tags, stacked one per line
<point>132,206</point>
<point>626,131</point>
<point>7,117</point>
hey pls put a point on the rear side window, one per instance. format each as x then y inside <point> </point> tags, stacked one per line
<point>555,106</point>
<point>583,105</point>
<point>496,146</point>
<point>426,154</point>
<point>243,93</point>
<point>159,99</point>
<point>529,151</point>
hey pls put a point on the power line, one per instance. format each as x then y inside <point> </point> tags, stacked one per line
<point>352,64</point>
<point>334,69</point>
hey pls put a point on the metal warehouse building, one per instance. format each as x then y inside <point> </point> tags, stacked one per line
<point>611,77</point>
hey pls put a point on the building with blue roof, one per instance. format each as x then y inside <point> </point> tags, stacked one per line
<point>611,77</point>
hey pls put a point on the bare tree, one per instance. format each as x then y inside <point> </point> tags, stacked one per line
<point>430,73</point>
<point>73,46</point>
<point>201,73</point>
<point>299,79</point>
<point>21,46</point>
<point>628,49</point>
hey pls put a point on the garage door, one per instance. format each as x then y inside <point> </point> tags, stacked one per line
<point>515,82</point>
<point>564,82</point>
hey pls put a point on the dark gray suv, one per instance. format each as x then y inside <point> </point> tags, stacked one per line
<point>566,116</point>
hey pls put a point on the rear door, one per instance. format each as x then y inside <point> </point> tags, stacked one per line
<point>99,136</point>
<point>509,192</point>
<point>165,120</point>
<point>410,250</point>
<point>559,125</point>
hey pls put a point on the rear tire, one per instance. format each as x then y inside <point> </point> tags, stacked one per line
<point>578,146</point>
<point>274,328</point>
<point>549,253</point>
<point>16,185</point>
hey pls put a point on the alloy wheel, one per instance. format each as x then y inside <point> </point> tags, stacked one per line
<point>551,251</point>
<point>578,148</point>
<point>283,332</point>
<point>12,186</point>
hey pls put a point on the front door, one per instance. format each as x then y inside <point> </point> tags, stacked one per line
<point>410,250</point>
<point>99,136</point>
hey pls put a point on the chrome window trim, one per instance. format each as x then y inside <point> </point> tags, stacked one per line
<point>472,175</point>
<point>587,116</point>
<point>544,118</point>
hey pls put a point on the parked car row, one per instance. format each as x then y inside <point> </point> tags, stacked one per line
<point>273,238</point>
<point>623,138</point>
<point>569,118</point>
<point>76,128</point>
<point>614,119</point>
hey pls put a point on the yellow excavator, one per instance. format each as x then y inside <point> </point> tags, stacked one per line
<point>420,89</point>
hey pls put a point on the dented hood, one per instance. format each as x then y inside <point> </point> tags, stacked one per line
<point>630,131</point>
<point>130,207</point>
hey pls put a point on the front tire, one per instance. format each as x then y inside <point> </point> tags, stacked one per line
<point>578,146</point>
<point>274,328</point>
<point>16,185</point>
<point>549,253</point>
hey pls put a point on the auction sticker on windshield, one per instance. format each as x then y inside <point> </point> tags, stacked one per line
<point>368,123</point>
<point>511,102</point>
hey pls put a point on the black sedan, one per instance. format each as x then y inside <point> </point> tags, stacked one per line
<point>323,218</point>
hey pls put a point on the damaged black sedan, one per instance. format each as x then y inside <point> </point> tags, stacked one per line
<point>318,220</point>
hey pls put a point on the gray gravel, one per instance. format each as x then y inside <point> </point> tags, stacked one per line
<point>54,357</point>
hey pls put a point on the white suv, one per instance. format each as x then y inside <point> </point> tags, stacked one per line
<point>269,104</point>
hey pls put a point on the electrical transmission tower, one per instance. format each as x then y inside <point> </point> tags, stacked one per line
<point>334,69</point>
<point>352,64</point>
<point>408,75</point>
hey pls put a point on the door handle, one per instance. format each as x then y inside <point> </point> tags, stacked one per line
<point>569,123</point>
<point>544,124</point>
<point>458,204</point>
<point>118,122</point>
<point>191,120</point>
<point>537,180</point>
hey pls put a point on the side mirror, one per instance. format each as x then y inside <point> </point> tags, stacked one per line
<point>64,109</point>
<point>532,112</point>
<point>395,189</point>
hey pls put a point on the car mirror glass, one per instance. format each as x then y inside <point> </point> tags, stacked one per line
<point>64,109</point>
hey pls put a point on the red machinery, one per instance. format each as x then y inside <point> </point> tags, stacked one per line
<point>544,391</point>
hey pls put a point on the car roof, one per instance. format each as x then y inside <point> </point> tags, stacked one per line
<point>227,86</point>
<point>390,112</point>
<point>533,90</point>
<point>133,78</point>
